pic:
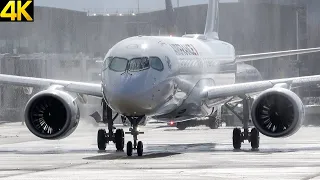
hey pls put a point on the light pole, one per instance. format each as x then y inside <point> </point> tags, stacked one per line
<point>138,6</point>
<point>299,63</point>
<point>297,39</point>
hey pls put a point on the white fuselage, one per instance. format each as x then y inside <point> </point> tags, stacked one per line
<point>163,76</point>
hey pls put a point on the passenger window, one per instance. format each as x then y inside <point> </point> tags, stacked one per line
<point>139,64</point>
<point>156,63</point>
<point>118,64</point>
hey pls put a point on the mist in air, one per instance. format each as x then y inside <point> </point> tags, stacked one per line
<point>71,45</point>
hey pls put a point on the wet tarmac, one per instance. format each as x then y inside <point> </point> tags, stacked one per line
<point>195,153</point>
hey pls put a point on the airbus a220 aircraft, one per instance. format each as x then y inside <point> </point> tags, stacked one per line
<point>169,79</point>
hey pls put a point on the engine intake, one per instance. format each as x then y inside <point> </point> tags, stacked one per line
<point>52,114</point>
<point>277,112</point>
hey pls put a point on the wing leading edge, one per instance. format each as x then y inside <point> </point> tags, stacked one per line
<point>71,86</point>
<point>254,57</point>
<point>252,87</point>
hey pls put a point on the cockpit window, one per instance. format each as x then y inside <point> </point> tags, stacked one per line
<point>138,64</point>
<point>106,62</point>
<point>156,63</point>
<point>118,64</point>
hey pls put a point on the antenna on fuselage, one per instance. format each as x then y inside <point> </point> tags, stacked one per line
<point>212,22</point>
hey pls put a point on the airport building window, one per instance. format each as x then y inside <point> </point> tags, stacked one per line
<point>156,63</point>
<point>138,64</point>
<point>118,64</point>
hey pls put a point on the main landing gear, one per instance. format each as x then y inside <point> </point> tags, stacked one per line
<point>240,136</point>
<point>103,137</point>
<point>134,131</point>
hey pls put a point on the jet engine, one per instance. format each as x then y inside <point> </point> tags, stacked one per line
<point>277,112</point>
<point>52,114</point>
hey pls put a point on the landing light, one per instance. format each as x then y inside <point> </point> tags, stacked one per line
<point>171,122</point>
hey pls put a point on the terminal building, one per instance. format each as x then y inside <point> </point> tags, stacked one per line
<point>252,26</point>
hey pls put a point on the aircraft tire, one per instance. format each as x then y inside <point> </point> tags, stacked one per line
<point>129,148</point>
<point>119,139</point>
<point>255,138</point>
<point>101,139</point>
<point>236,138</point>
<point>140,148</point>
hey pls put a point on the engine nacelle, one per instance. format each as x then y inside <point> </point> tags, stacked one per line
<point>52,114</point>
<point>277,112</point>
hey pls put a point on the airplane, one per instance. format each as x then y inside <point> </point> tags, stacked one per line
<point>169,79</point>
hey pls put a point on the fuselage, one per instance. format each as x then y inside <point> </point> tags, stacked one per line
<point>164,76</point>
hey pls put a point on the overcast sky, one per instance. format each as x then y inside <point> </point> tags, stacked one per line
<point>112,5</point>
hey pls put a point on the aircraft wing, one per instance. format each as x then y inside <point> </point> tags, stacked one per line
<point>252,87</point>
<point>254,57</point>
<point>71,86</point>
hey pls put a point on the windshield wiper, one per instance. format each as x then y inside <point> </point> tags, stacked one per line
<point>127,69</point>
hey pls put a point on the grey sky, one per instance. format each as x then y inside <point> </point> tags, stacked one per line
<point>113,5</point>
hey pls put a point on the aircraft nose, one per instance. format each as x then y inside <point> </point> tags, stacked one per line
<point>129,94</point>
<point>131,84</point>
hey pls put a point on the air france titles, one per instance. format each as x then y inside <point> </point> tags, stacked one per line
<point>184,49</point>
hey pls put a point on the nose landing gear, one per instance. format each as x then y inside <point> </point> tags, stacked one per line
<point>134,131</point>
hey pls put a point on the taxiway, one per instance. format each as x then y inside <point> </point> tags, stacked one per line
<point>196,153</point>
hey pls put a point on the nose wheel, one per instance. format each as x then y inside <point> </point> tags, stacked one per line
<point>136,145</point>
<point>139,148</point>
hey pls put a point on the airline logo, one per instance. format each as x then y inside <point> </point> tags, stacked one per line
<point>184,49</point>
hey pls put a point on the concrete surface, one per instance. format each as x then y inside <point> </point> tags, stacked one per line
<point>196,153</point>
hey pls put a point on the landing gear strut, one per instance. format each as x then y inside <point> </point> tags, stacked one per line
<point>240,136</point>
<point>103,138</point>
<point>134,131</point>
